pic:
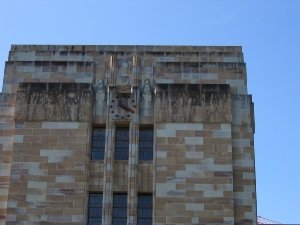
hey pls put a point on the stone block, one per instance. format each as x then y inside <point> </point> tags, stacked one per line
<point>35,198</point>
<point>166,133</point>
<point>193,140</point>
<point>194,206</point>
<point>65,179</point>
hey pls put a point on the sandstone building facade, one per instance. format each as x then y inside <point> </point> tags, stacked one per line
<point>126,135</point>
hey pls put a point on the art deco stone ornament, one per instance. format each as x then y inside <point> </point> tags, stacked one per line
<point>193,103</point>
<point>147,100</point>
<point>54,102</point>
<point>99,97</point>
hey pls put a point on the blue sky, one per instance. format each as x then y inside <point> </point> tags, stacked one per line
<point>268,30</point>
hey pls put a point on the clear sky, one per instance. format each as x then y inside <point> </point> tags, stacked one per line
<point>268,30</point>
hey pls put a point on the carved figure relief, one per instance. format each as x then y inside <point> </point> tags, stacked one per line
<point>123,76</point>
<point>123,80</point>
<point>147,102</point>
<point>53,102</point>
<point>100,98</point>
<point>193,103</point>
<point>123,67</point>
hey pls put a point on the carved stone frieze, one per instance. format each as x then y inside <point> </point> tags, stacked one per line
<point>54,102</point>
<point>192,103</point>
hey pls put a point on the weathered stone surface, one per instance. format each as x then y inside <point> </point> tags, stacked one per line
<point>49,172</point>
<point>192,103</point>
<point>53,102</point>
<point>195,99</point>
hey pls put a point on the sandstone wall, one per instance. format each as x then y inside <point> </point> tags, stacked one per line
<point>195,99</point>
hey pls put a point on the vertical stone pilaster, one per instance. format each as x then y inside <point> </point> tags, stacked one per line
<point>132,166</point>
<point>108,176</point>
<point>108,166</point>
<point>112,65</point>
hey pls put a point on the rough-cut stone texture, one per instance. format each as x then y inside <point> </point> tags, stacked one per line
<point>194,97</point>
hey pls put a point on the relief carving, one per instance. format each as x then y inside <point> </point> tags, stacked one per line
<point>100,98</point>
<point>123,84</point>
<point>147,101</point>
<point>193,103</point>
<point>123,81</point>
<point>53,102</point>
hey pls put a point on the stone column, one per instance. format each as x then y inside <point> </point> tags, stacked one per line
<point>109,155</point>
<point>132,165</point>
<point>133,151</point>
